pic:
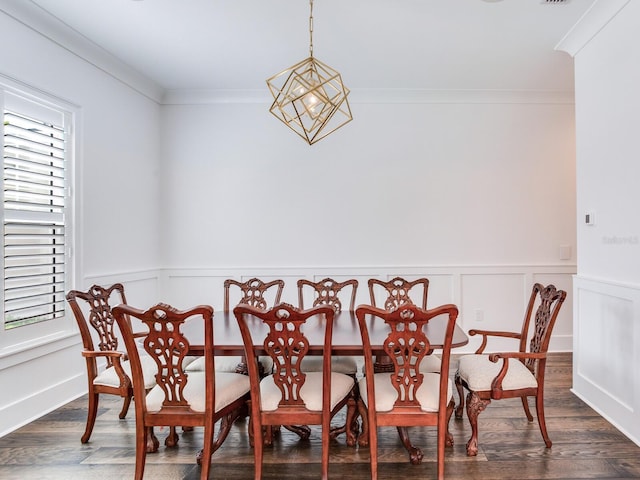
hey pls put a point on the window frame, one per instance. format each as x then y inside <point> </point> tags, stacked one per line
<point>27,337</point>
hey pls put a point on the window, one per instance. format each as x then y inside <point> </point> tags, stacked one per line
<point>34,208</point>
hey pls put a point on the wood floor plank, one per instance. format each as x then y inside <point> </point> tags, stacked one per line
<point>585,446</point>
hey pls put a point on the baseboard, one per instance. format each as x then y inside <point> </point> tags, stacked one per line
<point>18,414</point>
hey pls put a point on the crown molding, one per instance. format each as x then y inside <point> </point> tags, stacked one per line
<point>41,22</point>
<point>380,96</point>
<point>590,24</point>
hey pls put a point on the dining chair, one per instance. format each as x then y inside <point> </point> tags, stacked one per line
<point>511,374</point>
<point>336,295</point>
<point>330,292</point>
<point>399,291</point>
<point>290,395</point>
<point>93,313</point>
<point>194,399</point>
<point>407,396</point>
<point>256,293</point>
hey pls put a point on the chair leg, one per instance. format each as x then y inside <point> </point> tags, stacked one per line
<point>525,405</point>
<point>152,441</point>
<point>258,447</point>
<point>173,437</point>
<point>475,405</point>
<point>143,434</point>
<point>92,412</point>
<point>326,435</point>
<point>372,439</point>
<point>350,425</point>
<point>125,407</point>
<point>207,452</point>
<point>445,440</point>
<point>363,438</point>
<point>449,437</point>
<point>541,421</point>
<point>415,454</point>
<point>460,389</point>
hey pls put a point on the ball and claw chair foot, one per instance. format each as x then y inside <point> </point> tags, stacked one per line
<point>152,441</point>
<point>475,405</point>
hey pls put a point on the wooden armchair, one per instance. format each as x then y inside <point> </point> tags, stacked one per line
<point>179,398</point>
<point>407,396</point>
<point>511,374</point>
<point>290,395</point>
<point>93,313</point>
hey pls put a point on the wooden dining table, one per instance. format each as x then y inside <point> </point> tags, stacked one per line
<point>346,340</point>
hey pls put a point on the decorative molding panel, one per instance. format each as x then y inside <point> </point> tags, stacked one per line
<point>489,296</point>
<point>606,335</point>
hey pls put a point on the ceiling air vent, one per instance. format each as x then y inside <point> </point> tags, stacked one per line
<point>554,1</point>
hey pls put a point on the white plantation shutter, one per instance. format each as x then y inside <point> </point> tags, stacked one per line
<point>33,219</point>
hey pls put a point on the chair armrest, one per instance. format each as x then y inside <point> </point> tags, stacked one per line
<point>491,333</point>
<point>116,359</point>
<point>106,353</point>
<point>496,384</point>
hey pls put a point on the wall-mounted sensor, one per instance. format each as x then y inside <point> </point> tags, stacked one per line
<point>589,218</point>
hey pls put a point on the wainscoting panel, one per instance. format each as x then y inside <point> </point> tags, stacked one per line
<point>489,297</point>
<point>142,288</point>
<point>606,351</point>
<point>53,372</point>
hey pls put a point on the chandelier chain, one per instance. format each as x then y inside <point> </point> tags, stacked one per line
<point>311,28</point>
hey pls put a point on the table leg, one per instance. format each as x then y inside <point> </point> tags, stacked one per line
<point>226,423</point>
<point>303,431</point>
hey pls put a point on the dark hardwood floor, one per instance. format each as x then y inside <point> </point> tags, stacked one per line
<point>585,446</point>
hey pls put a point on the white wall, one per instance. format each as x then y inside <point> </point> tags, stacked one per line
<point>477,192</point>
<point>117,214</point>
<point>607,286</point>
<point>421,184</point>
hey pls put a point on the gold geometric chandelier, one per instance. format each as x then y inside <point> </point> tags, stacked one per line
<point>309,97</point>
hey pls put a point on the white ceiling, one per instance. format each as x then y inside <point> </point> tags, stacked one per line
<point>375,44</point>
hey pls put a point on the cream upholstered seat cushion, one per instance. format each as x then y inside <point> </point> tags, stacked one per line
<point>311,391</point>
<point>478,372</point>
<point>386,395</point>
<point>228,364</point>
<point>339,363</point>
<point>429,364</point>
<point>229,387</point>
<point>109,377</point>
